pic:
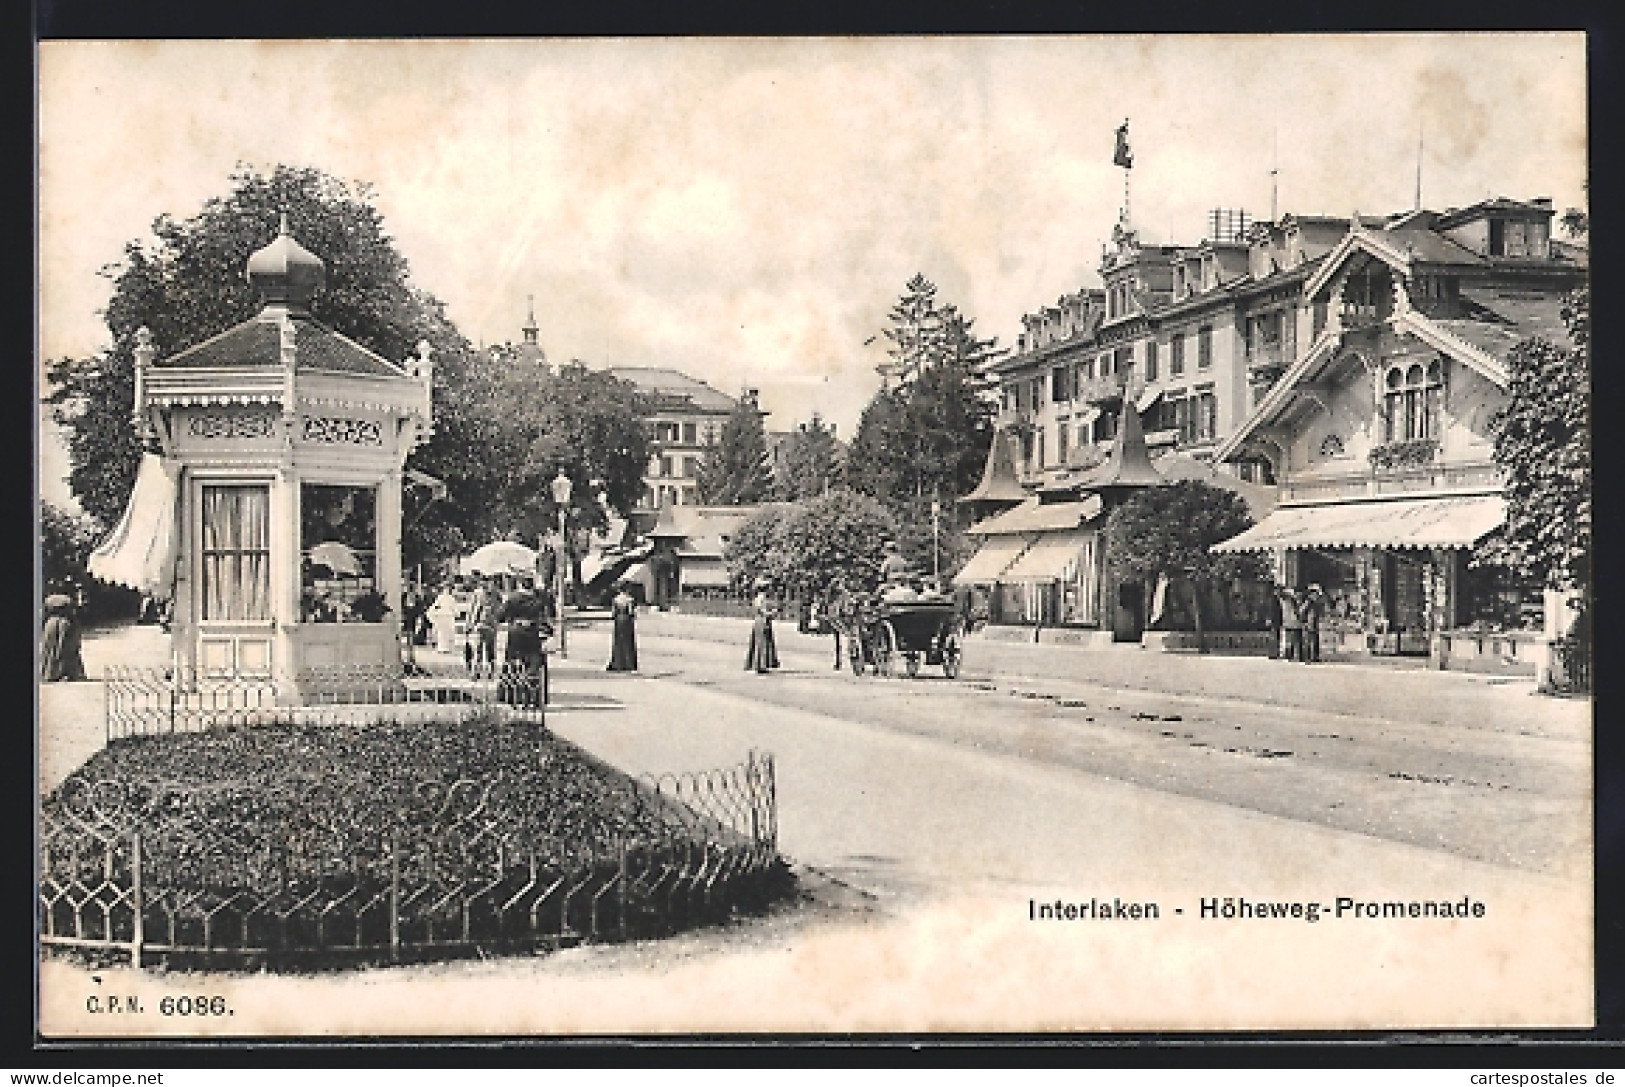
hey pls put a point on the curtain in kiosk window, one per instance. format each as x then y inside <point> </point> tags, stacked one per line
<point>236,552</point>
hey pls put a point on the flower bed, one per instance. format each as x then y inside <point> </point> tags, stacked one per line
<point>278,839</point>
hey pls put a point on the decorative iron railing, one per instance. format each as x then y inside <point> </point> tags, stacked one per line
<point>157,701</point>
<point>161,871</point>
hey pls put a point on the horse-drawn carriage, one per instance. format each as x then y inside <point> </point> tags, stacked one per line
<point>916,632</point>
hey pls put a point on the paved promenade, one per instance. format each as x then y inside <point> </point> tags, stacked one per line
<point>1413,695</point>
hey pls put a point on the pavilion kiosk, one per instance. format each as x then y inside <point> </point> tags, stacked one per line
<point>283,444</point>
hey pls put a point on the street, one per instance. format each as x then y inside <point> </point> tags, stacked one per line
<point>946,811</point>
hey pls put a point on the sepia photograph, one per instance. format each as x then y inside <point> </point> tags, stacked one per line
<point>661,536</point>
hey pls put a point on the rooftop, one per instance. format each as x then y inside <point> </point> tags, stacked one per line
<point>662,381</point>
<point>258,342</point>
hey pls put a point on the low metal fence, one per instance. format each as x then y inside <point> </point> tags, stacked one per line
<point>156,701</point>
<point>219,875</point>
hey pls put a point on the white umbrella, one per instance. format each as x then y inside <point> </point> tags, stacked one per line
<point>336,557</point>
<point>501,557</point>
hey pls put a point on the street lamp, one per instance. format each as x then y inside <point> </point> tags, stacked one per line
<point>936,565</point>
<point>561,499</point>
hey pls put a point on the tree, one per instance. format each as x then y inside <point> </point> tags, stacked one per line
<point>66,541</point>
<point>808,462</point>
<point>587,424</point>
<point>839,534</point>
<point>186,284</point>
<point>926,437</point>
<point>1166,532</point>
<point>735,470</point>
<point>1543,444</point>
<point>803,546</point>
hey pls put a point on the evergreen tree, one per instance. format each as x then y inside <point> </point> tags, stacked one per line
<point>735,469</point>
<point>808,462</point>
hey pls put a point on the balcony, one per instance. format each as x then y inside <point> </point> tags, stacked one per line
<point>1356,315</point>
<point>1432,479</point>
<point>1109,388</point>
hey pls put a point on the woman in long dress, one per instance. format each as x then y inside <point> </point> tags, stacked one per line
<point>59,641</point>
<point>443,620</point>
<point>623,646</point>
<point>762,654</point>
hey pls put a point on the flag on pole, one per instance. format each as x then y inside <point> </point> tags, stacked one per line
<point>1123,156</point>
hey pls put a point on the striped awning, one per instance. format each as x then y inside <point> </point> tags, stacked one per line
<point>1410,522</point>
<point>987,564</point>
<point>1053,558</point>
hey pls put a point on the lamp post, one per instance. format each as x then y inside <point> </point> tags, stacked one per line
<point>561,499</point>
<point>936,564</point>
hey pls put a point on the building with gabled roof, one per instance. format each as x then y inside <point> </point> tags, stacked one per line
<point>1379,430</point>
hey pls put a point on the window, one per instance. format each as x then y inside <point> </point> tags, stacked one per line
<point>1038,448</point>
<point>1204,347</point>
<point>691,433</point>
<point>666,432</point>
<point>1122,359</point>
<point>236,552</point>
<point>1206,415</point>
<point>1176,354</point>
<point>1498,243</point>
<point>665,466</point>
<point>338,529</point>
<point>1061,435</point>
<point>1412,397</point>
<point>1060,388</point>
<point>1151,360</point>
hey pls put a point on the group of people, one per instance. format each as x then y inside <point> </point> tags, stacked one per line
<point>527,612</point>
<point>1301,613</point>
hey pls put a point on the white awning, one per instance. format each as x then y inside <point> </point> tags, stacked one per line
<point>1411,522</point>
<point>1053,558</point>
<point>1147,398</point>
<point>140,551</point>
<point>987,564</point>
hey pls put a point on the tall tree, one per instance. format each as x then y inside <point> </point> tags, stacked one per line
<point>186,284</point>
<point>808,462</point>
<point>1543,444</point>
<point>735,470</point>
<point>1166,532</point>
<point>925,435</point>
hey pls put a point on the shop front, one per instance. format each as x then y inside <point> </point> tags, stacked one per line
<point>1400,580</point>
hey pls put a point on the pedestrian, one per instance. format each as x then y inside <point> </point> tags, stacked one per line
<point>623,644</point>
<point>837,611</point>
<point>1314,606</point>
<point>59,640</point>
<point>482,629</point>
<point>1274,620</point>
<point>1291,624</point>
<point>442,617</point>
<point>762,653</point>
<point>524,613</point>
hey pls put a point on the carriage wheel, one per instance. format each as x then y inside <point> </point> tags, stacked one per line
<point>854,655</point>
<point>950,660</point>
<point>911,664</point>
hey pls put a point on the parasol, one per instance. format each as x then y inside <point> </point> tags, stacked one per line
<point>501,557</point>
<point>336,557</point>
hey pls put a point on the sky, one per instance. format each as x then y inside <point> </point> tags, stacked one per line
<point>748,210</point>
